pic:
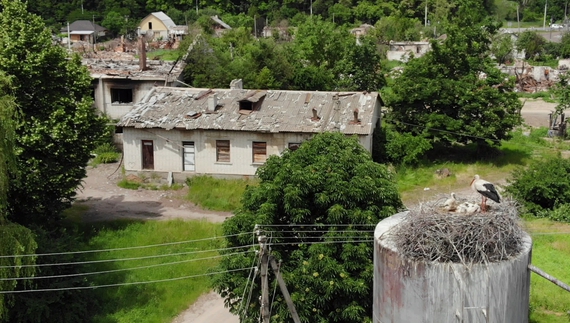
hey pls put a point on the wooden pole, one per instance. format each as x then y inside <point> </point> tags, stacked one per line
<point>284,290</point>
<point>549,277</point>
<point>264,280</point>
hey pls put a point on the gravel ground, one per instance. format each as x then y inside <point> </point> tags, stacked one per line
<point>107,201</point>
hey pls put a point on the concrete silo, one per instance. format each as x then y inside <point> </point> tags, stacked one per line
<point>412,291</point>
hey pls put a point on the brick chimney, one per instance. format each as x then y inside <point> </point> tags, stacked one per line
<point>142,54</point>
<point>355,120</point>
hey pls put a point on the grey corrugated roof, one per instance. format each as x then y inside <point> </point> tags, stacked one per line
<point>276,111</point>
<point>169,23</point>
<point>83,25</point>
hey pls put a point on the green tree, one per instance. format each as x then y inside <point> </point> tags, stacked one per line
<point>361,68</point>
<point>15,240</point>
<point>532,43</point>
<point>319,205</point>
<point>454,93</point>
<point>58,127</point>
<point>114,22</point>
<point>502,48</point>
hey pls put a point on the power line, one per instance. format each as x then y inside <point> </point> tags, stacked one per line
<point>117,249</point>
<point>122,269</point>
<point>126,259</point>
<point>120,284</point>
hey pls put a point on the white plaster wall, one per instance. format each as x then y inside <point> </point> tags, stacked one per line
<point>168,149</point>
<point>116,111</point>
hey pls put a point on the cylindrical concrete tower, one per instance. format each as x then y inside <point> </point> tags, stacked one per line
<point>410,291</point>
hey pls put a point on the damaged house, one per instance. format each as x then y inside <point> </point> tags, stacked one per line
<point>120,80</point>
<point>231,132</point>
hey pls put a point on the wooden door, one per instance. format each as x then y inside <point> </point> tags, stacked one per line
<point>189,158</point>
<point>147,154</point>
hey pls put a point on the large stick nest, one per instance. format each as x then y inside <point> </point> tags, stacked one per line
<point>428,234</point>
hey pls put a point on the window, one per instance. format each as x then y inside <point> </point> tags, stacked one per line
<point>259,152</point>
<point>245,106</point>
<point>150,25</point>
<point>223,151</point>
<point>121,95</point>
<point>294,146</point>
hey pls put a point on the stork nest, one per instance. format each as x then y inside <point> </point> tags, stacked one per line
<point>427,234</point>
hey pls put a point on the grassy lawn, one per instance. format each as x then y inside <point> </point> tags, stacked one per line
<point>551,253</point>
<point>153,302</point>
<point>217,194</point>
<point>163,54</point>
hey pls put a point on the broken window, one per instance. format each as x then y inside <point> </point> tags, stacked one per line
<point>150,25</point>
<point>121,95</point>
<point>294,146</point>
<point>223,151</point>
<point>259,152</point>
<point>246,105</point>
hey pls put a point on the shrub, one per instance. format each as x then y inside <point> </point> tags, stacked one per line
<point>560,213</point>
<point>106,153</point>
<point>393,147</point>
<point>545,184</point>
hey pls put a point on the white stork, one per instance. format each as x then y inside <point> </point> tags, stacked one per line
<point>486,189</point>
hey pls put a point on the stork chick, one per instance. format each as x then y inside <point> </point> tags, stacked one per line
<point>487,191</point>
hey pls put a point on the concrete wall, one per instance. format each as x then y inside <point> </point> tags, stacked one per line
<point>168,154</point>
<point>103,88</point>
<point>416,291</point>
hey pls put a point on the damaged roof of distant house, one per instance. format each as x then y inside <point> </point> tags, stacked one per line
<point>127,66</point>
<point>83,25</point>
<point>254,110</point>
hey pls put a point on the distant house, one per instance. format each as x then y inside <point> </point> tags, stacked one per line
<point>84,30</point>
<point>159,26</point>
<point>402,51</point>
<point>283,33</point>
<point>231,132</point>
<point>361,30</point>
<point>219,26</point>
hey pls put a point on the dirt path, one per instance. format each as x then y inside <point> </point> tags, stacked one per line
<point>107,201</point>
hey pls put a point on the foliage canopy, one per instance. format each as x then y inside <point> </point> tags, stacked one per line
<point>59,127</point>
<point>319,205</point>
<point>454,93</point>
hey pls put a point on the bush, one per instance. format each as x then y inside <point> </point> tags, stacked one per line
<point>105,154</point>
<point>560,213</point>
<point>399,149</point>
<point>545,184</point>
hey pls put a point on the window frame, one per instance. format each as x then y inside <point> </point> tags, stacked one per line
<point>223,151</point>
<point>260,150</point>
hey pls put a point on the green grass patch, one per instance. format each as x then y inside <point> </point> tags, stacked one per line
<point>552,62</point>
<point>163,54</point>
<point>105,154</point>
<point>544,95</point>
<point>551,253</point>
<point>128,184</point>
<point>152,302</point>
<point>217,194</point>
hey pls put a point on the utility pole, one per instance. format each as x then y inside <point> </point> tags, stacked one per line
<point>425,16</point>
<point>264,254</point>
<point>544,21</point>
<point>68,38</point>
<point>284,290</point>
<point>196,7</point>
<point>518,20</point>
<point>311,8</point>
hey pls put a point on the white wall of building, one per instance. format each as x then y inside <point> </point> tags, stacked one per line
<point>168,155</point>
<point>103,100</point>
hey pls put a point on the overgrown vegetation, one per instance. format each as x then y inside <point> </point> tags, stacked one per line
<point>217,194</point>
<point>106,153</point>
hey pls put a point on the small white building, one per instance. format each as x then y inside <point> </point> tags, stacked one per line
<point>231,132</point>
<point>403,51</point>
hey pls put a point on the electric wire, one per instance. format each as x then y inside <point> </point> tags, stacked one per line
<point>125,248</point>
<point>247,282</point>
<point>119,284</point>
<point>122,269</point>
<point>127,259</point>
<point>274,292</point>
